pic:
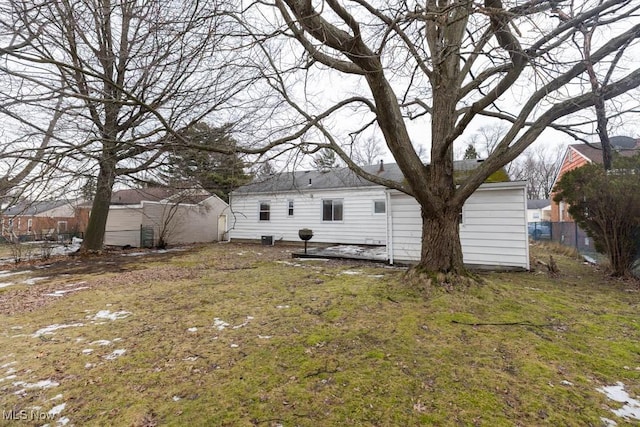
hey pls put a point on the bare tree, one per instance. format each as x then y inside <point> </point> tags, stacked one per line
<point>539,166</point>
<point>367,152</point>
<point>133,73</point>
<point>455,62</point>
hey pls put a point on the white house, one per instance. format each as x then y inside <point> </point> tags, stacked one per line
<point>538,210</point>
<point>146,216</point>
<point>341,207</point>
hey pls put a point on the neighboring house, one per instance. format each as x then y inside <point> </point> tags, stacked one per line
<point>577,155</point>
<point>44,219</point>
<point>538,210</point>
<point>152,216</point>
<point>341,207</point>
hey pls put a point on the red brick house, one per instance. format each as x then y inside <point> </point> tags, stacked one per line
<point>578,155</point>
<point>45,219</point>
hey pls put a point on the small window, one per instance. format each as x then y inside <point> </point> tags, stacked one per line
<point>62,227</point>
<point>379,207</point>
<point>332,210</point>
<point>265,211</point>
<point>30,225</point>
<point>290,208</point>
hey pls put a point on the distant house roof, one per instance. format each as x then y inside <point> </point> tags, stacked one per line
<point>623,145</point>
<point>538,203</point>
<point>136,196</point>
<point>334,178</point>
<point>27,208</point>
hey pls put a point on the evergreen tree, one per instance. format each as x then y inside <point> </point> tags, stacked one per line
<point>325,160</point>
<point>197,165</point>
<point>470,153</point>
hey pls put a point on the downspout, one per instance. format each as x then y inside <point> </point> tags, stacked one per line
<point>526,226</point>
<point>389,226</point>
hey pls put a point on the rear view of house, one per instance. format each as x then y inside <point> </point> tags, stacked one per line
<point>161,216</point>
<point>44,220</point>
<point>343,208</point>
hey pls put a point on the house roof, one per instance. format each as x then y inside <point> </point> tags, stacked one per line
<point>27,208</point>
<point>136,196</point>
<point>334,178</point>
<point>623,145</point>
<point>538,203</point>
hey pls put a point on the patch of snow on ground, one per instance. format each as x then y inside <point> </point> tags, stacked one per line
<point>6,365</point>
<point>192,329</point>
<point>63,421</point>
<point>219,323</point>
<point>65,250</point>
<point>134,254</point>
<point>282,306</point>
<point>8,377</point>
<point>115,354</point>
<point>265,337</point>
<point>33,280</point>
<point>108,315</point>
<point>351,272</point>
<point>6,284</point>
<point>61,293</point>
<point>48,330</point>
<point>176,398</point>
<point>87,351</point>
<point>44,384</point>
<point>631,407</point>
<point>56,397</point>
<point>57,410</point>
<point>101,342</point>
<point>7,273</point>
<point>243,324</point>
<point>607,422</point>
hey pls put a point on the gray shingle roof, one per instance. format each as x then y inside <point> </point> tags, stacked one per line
<point>34,208</point>
<point>538,203</point>
<point>333,178</point>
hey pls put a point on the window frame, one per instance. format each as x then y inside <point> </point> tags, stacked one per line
<point>290,208</point>
<point>384,205</point>
<point>267,211</point>
<point>334,203</point>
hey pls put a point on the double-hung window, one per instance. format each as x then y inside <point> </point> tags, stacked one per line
<point>332,210</point>
<point>290,208</point>
<point>264,211</point>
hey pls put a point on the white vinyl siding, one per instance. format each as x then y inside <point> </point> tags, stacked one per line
<point>357,226</point>
<point>493,233</point>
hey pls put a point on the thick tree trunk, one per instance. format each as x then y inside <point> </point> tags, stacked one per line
<point>441,249</point>
<point>94,235</point>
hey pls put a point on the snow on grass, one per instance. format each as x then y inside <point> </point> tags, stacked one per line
<point>61,293</point>
<point>617,393</point>
<point>44,384</point>
<point>219,324</point>
<point>108,315</point>
<point>48,330</point>
<point>87,351</point>
<point>192,329</point>
<point>115,354</point>
<point>33,280</point>
<point>100,342</point>
<point>57,410</point>
<point>243,324</point>
<point>6,284</point>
